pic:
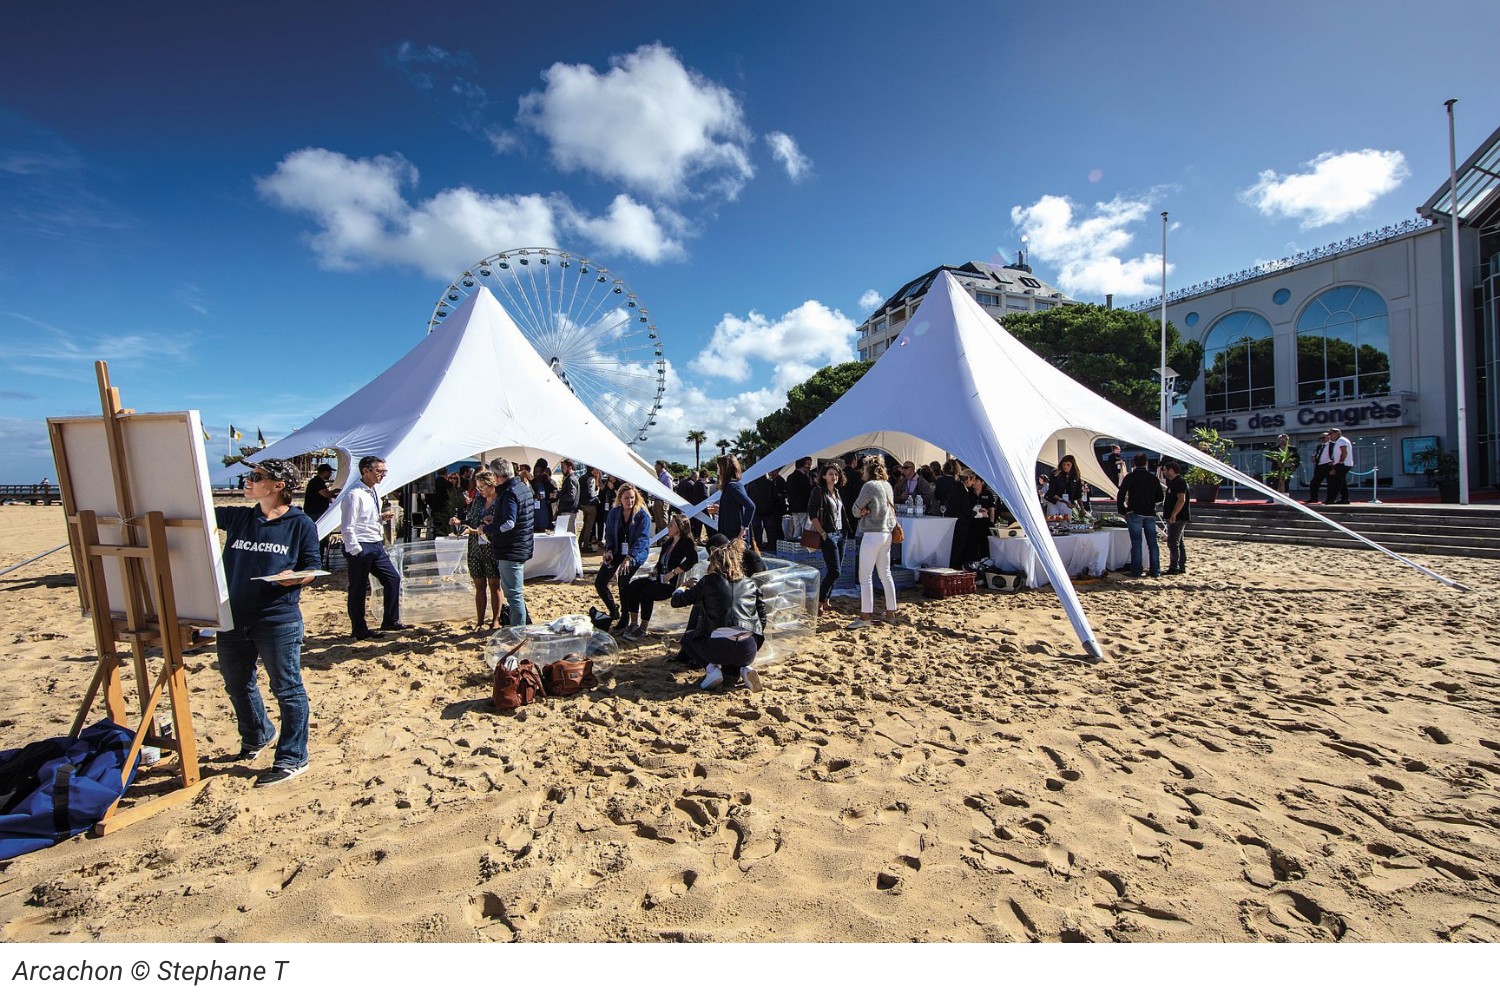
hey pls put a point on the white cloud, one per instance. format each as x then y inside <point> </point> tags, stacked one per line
<point>629,227</point>
<point>649,122</point>
<point>364,216</point>
<point>118,348</point>
<point>784,149</point>
<point>689,407</point>
<point>191,296</point>
<point>1087,251</point>
<point>808,337</point>
<point>1336,187</point>
<point>869,301</point>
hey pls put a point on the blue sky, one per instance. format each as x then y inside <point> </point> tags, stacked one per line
<point>250,210</point>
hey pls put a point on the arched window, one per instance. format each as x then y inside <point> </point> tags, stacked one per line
<point>1239,371</point>
<point>1343,346</point>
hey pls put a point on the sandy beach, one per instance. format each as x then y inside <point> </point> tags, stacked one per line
<point>1287,744</point>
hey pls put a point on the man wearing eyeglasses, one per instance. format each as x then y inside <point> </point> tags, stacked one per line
<point>911,486</point>
<point>360,520</point>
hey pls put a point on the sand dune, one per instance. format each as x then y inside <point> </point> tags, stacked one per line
<point>1288,744</point>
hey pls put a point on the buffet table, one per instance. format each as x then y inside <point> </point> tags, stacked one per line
<point>1083,554</point>
<point>556,556</point>
<point>928,542</point>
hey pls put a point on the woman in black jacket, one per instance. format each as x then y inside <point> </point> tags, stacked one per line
<point>826,516</point>
<point>678,556</point>
<point>730,627</point>
<point>1065,486</point>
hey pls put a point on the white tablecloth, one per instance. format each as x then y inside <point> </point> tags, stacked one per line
<point>1119,547</point>
<point>555,556</point>
<point>928,542</point>
<point>1085,554</point>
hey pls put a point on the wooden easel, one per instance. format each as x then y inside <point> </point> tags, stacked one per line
<point>150,617</point>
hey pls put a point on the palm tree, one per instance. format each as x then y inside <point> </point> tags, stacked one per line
<point>723,445</point>
<point>747,442</point>
<point>696,439</point>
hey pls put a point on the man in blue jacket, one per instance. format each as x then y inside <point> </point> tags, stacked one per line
<point>510,531</point>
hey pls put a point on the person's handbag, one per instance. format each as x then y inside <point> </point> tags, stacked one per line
<point>811,540</point>
<point>573,674</point>
<point>517,683</point>
<point>897,535</point>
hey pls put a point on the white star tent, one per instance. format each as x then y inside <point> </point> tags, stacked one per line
<point>957,382</point>
<point>474,386</point>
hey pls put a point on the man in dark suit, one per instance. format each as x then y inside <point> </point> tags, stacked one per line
<point>694,490</point>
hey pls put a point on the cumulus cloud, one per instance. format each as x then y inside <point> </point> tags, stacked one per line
<point>364,216</point>
<point>871,300</point>
<point>650,123</point>
<point>687,407</point>
<point>1335,187</point>
<point>1087,249</point>
<point>784,149</point>
<point>801,341</point>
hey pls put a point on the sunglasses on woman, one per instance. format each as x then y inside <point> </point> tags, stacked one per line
<point>262,477</point>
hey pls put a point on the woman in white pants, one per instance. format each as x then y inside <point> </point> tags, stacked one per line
<point>875,508</point>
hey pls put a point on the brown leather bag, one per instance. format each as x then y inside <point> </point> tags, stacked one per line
<point>897,535</point>
<point>570,675</point>
<point>514,688</point>
<point>811,539</point>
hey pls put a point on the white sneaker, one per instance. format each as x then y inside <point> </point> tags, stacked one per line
<point>859,623</point>
<point>752,678</point>
<point>712,677</point>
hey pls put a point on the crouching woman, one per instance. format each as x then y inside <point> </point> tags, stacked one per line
<point>731,619</point>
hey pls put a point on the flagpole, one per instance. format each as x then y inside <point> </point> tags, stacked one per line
<point>1458,317</point>
<point>1166,406</point>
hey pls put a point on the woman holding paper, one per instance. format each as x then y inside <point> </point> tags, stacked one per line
<point>270,552</point>
<point>482,565</point>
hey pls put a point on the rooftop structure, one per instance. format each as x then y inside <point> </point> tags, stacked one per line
<point>1000,289</point>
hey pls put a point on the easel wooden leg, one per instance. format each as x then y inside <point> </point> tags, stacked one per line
<point>174,669</point>
<point>118,819</point>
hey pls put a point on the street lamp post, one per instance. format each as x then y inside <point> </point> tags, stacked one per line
<point>1166,405</point>
<point>1458,317</point>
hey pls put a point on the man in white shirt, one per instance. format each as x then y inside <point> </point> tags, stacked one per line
<point>1341,449</point>
<point>360,519</point>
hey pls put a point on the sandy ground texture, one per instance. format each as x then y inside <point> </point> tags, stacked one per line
<point>1288,744</point>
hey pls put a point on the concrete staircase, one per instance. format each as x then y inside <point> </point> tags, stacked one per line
<point>1421,529</point>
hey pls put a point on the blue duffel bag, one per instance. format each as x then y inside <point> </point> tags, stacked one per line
<point>55,789</point>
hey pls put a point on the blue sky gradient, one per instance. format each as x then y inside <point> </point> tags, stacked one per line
<point>148,215</point>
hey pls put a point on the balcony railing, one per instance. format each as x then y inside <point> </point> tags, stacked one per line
<point>1260,270</point>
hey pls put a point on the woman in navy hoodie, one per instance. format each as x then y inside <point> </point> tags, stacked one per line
<point>627,544</point>
<point>272,537</point>
<point>736,509</point>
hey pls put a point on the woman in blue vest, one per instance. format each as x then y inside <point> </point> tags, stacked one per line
<point>627,545</point>
<point>270,538</point>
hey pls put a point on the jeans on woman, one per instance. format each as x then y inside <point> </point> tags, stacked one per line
<point>875,555</point>
<point>279,648</point>
<point>833,562</point>
<point>732,655</point>
<point>607,572</point>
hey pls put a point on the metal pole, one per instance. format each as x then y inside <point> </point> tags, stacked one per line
<point>1458,317</point>
<point>1166,405</point>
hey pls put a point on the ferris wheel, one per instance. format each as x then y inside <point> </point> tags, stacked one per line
<point>585,322</point>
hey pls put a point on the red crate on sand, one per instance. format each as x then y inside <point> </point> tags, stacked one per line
<point>946,582</point>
